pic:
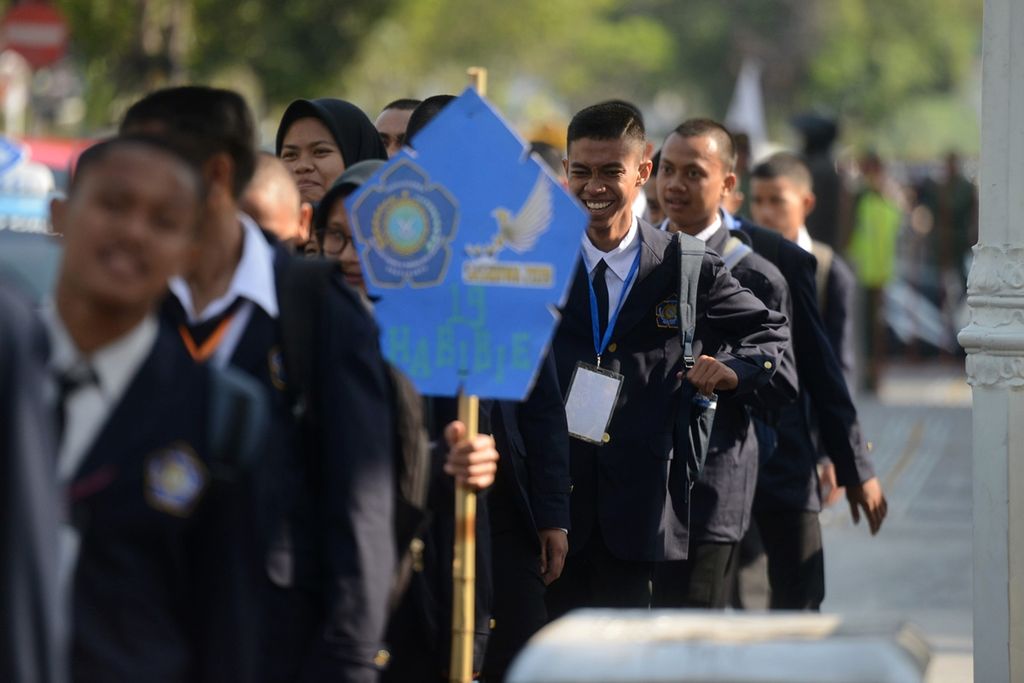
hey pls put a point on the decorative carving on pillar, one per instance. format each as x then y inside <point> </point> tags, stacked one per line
<point>994,339</point>
<point>984,370</point>
<point>997,270</point>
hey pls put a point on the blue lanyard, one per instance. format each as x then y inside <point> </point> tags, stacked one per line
<point>601,344</point>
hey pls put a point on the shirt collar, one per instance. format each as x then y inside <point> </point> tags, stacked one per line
<point>728,220</point>
<point>803,239</point>
<point>253,279</point>
<point>619,259</point>
<point>705,234</point>
<point>114,364</point>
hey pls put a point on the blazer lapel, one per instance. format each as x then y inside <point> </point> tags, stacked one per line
<point>130,419</point>
<point>577,308</point>
<point>652,279</point>
<point>716,242</point>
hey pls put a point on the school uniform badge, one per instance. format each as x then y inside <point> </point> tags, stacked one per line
<point>666,314</point>
<point>275,365</point>
<point>174,479</point>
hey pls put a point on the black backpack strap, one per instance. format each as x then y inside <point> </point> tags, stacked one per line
<point>735,251</point>
<point>238,413</point>
<point>691,256</point>
<point>301,288</point>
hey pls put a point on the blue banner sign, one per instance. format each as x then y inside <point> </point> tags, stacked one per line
<point>469,245</point>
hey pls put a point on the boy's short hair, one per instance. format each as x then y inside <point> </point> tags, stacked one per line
<point>784,165</point>
<point>208,120</point>
<point>701,127</point>
<point>424,113</point>
<point>402,104</point>
<point>614,120</point>
<point>101,150</point>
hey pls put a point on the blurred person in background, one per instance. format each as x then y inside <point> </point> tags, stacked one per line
<point>953,203</point>
<point>782,198</point>
<point>332,228</point>
<point>738,200</point>
<point>552,158</point>
<point>828,221</point>
<point>788,497</point>
<point>318,139</point>
<point>272,200</point>
<point>392,122</point>
<point>33,606</point>
<point>653,214</point>
<point>424,113</point>
<point>872,250</point>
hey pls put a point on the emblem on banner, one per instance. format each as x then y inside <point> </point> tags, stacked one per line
<point>519,233</point>
<point>174,479</point>
<point>667,313</point>
<point>411,225</point>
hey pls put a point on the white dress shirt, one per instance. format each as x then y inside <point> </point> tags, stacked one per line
<point>253,282</point>
<point>804,241</point>
<point>88,407</point>
<point>619,261</point>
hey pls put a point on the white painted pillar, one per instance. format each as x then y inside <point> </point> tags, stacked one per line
<point>995,344</point>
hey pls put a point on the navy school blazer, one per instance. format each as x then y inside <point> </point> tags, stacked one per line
<point>723,495</point>
<point>634,489</point>
<point>167,581</point>
<point>788,480</point>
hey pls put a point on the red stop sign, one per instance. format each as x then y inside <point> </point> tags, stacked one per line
<point>37,31</point>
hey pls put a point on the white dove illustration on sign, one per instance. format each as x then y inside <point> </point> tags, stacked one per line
<point>520,232</point>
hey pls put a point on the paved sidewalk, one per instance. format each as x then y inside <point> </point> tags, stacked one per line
<point>919,566</point>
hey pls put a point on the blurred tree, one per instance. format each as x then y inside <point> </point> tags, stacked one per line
<point>878,54</point>
<point>579,51</point>
<point>862,59</point>
<point>130,46</point>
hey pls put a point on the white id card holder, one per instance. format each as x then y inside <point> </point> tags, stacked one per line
<point>593,392</point>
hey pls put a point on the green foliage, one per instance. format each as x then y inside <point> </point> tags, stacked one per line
<point>298,48</point>
<point>865,60</point>
<point>877,54</point>
<point>578,50</point>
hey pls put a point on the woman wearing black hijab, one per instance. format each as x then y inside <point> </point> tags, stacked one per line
<point>318,139</point>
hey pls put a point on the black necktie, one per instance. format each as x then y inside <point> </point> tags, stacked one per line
<point>68,382</point>
<point>601,292</point>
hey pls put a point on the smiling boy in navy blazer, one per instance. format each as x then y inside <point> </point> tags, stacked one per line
<point>629,503</point>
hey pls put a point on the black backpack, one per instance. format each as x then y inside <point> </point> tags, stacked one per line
<point>301,288</point>
<point>701,410</point>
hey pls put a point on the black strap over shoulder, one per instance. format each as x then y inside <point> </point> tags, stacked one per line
<point>237,416</point>
<point>301,288</point>
<point>691,256</point>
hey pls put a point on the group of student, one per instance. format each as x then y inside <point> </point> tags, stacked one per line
<point>236,461</point>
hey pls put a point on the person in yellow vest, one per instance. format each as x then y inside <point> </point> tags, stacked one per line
<point>872,250</point>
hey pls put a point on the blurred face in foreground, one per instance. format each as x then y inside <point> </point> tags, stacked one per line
<point>129,224</point>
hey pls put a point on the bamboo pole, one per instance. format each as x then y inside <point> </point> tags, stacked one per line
<point>464,560</point>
